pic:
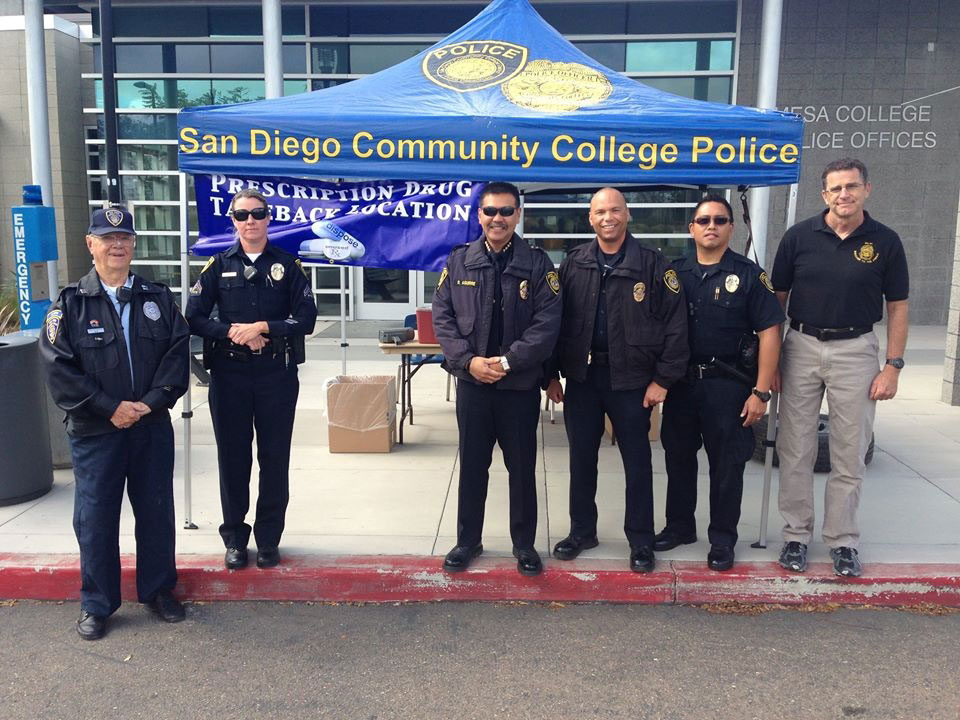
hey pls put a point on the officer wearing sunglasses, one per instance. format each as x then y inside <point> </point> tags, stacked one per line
<point>252,347</point>
<point>729,298</point>
<point>496,313</point>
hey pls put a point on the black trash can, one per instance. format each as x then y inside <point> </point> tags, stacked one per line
<point>26,467</point>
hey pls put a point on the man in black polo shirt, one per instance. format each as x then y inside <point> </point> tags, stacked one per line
<point>836,268</point>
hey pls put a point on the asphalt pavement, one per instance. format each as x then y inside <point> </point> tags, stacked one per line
<point>484,661</point>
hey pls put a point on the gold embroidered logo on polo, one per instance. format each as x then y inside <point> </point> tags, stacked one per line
<point>731,283</point>
<point>639,292</point>
<point>672,282</point>
<point>552,87</point>
<point>473,64</point>
<point>866,253</point>
<point>766,281</point>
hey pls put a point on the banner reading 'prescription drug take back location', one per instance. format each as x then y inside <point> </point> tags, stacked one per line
<point>403,224</point>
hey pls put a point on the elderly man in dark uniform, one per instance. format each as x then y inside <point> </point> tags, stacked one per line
<point>266,309</point>
<point>496,313</point>
<point>836,269</point>
<point>115,348</point>
<point>623,343</point>
<point>733,319</point>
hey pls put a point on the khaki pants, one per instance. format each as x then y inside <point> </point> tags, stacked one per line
<point>844,369</point>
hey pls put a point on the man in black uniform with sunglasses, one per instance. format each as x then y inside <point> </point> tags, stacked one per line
<point>729,299</point>
<point>266,309</point>
<point>623,343</point>
<point>496,314</point>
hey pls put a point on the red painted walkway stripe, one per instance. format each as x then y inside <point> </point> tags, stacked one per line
<point>371,578</point>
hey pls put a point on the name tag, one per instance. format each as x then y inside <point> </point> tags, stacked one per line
<point>468,283</point>
<point>94,331</point>
<point>229,274</point>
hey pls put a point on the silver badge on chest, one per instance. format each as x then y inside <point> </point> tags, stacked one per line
<point>151,310</point>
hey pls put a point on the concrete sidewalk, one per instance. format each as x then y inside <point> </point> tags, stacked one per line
<point>366,527</point>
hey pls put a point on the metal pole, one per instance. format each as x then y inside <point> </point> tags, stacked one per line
<point>343,320</point>
<point>35,46</point>
<point>187,409</point>
<point>272,49</point>
<point>767,99</point>
<point>109,101</point>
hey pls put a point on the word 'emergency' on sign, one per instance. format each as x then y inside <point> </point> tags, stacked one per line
<point>607,149</point>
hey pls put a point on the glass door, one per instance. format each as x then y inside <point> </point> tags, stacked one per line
<point>386,294</point>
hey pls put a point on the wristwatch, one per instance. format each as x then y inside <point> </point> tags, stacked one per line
<point>504,363</point>
<point>762,394</point>
<point>896,362</point>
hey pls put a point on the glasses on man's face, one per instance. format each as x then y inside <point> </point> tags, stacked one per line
<point>705,220</point>
<point>117,239</point>
<point>505,211</point>
<point>849,187</point>
<point>258,214</point>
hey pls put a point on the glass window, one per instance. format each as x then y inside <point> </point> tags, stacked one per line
<point>157,217</point>
<point>295,58</point>
<point>429,285</point>
<point>329,21</point>
<point>323,84</point>
<point>293,20</point>
<point>169,275</point>
<point>236,58</point>
<point>150,94</point>
<point>155,247</point>
<point>576,220</point>
<point>663,195</point>
<point>390,19</point>
<point>328,306</point>
<point>141,157</point>
<point>235,21</point>
<point>714,89</point>
<point>144,127</point>
<point>157,21</point>
<point>721,55</point>
<point>386,285</point>
<point>329,58</point>
<point>294,87</point>
<point>328,279</point>
<point>667,55</point>
<point>150,187</point>
<point>138,58</point>
<point>366,59</point>
<point>586,18</point>
<point>237,91</point>
<point>703,16</point>
<point>609,54</point>
<point>192,58</point>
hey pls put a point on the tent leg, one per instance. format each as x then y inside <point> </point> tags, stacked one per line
<point>187,408</point>
<point>768,470</point>
<point>343,321</point>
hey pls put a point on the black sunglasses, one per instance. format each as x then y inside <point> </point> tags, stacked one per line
<point>258,214</point>
<point>718,220</point>
<point>491,211</point>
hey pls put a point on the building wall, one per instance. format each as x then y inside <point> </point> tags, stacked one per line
<point>849,66</point>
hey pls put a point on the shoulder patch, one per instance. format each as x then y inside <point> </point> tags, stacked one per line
<point>766,281</point>
<point>52,325</point>
<point>302,268</point>
<point>443,277</point>
<point>671,280</point>
<point>553,281</point>
<point>207,266</point>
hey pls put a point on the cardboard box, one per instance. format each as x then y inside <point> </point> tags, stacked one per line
<point>362,413</point>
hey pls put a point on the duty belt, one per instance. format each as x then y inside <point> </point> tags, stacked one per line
<point>242,353</point>
<point>824,334</point>
<point>703,371</point>
<point>598,358</point>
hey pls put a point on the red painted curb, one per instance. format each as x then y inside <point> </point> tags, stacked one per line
<point>380,579</point>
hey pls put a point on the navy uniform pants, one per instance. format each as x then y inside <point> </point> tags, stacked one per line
<point>485,416</point>
<point>260,395</point>
<point>707,413</point>
<point>140,457</point>
<point>584,405</point>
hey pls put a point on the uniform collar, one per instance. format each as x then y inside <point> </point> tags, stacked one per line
<point>90,284</point>
<point>867,226</point>
<point>728,262</point>
<point>522,260</point>
<point>237,248</point>
<point>588,253</point>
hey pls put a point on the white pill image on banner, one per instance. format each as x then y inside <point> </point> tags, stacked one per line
<point>331,231</point>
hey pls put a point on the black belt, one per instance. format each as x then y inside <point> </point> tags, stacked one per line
<point>845,333</point>
<point>599,358</point>
<point>242,353</point>
<point>703,371</point>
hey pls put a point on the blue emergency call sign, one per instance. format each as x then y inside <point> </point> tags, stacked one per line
<point>34,243</point>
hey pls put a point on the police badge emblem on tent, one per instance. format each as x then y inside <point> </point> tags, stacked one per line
<point>474,64</point>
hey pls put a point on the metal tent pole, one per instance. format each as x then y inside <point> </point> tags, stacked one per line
<point>343,320</point>
<point>187,408</point>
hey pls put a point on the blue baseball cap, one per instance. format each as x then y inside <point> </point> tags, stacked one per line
<point>111,220</point>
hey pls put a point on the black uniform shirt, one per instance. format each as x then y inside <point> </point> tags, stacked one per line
<point>729,300</point>
<point>607,263</point>
<point>836,283</point>
<point>500,261</point>
<point>279,294</point>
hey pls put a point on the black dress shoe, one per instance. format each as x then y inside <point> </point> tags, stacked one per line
<point>528,561</point>
<point>167,607</point>
<point>268,557</point>
<point>667,540</point>
<point>90,626</point>
<point>641,559</point>
<point>235,558</point>
<point>720,557</point>
<point>460,557</point>
<point>571,546</point>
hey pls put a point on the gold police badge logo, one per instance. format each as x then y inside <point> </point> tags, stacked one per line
<point>766,281</point>
<point>52,325</point>
<point>524,290</point>
<point>639,292</point>
<point>731,283</point>
<point>553,282</point>
<point>554,87</point>
<point>473,64</point>
<point>276,271</point>
<point>443,276</point>
<point>672,282</point>
<point>866,253</point>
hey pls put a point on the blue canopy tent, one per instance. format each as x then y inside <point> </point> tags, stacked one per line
<point>505,97</point>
